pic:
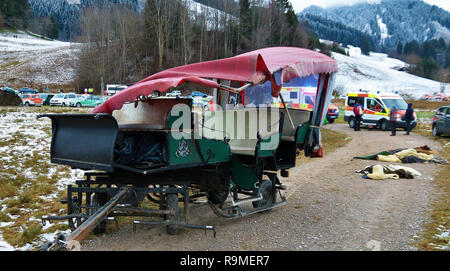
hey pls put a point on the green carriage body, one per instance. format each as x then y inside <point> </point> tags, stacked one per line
<point>158,148</point>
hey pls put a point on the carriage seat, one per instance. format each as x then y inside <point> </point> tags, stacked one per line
<point>299,117</point>
<point>148,115</point>
<point>241,128</point>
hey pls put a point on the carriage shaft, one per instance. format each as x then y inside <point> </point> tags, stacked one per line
<point>84,229</point>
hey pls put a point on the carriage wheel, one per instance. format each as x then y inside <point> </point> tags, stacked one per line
<point>74,209</point>
<point>172,204</point>
<point>269,195</point>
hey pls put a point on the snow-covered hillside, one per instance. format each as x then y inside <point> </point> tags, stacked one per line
<point>378,72</point>
<point>29,60</point>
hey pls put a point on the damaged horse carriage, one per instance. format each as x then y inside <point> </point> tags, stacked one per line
<point>141,146</point>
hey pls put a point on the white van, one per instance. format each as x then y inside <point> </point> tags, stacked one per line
<point>376,107</point>
<point>114,89</point>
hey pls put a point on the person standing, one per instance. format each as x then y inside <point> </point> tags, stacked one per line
<point>357,110</point>
<point>409,117</point>
<point>393,120</point>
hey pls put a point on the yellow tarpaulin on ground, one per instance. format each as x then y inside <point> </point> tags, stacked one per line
<point>413,152</point>
<point>388,158</point>
<point>378,174</point>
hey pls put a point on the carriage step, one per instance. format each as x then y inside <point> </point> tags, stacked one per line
<point>275,205</point>
<point>242,201</point>
<point>199,201</point>
<point>280,187</point>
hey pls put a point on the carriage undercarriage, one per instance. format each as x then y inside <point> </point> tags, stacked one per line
<point>97,200</point>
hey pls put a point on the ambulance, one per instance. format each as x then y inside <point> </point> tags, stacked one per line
<point>297,97</point>
<point>376,108</point>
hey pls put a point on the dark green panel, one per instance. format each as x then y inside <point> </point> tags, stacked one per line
<point>214,151</point>
<point>245,177</point>
<point>268,152</point>
<point>302,133</point>
<point>182,151</point>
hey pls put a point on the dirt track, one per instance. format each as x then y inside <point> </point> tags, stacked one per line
<point>329,207</point>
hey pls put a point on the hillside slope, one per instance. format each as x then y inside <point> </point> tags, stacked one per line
<point>29,60</point>
<point>33,61</point>
<point>378,72</point>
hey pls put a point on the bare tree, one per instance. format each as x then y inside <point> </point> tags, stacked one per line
<point>159,19</point>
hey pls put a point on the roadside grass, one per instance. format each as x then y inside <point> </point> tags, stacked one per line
<point>436,235</point>
<point>331,141</point>
<point>427,105</point>
<point>425,114</point>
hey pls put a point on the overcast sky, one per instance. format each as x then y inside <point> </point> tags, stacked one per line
<point>299,5</point>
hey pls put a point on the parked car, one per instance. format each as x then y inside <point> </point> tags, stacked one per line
<point>441,121</point>
<point>332,113</point>
<point>175,93</point>
<point>28,91</point>
<point>62,99</point>
<point>46,97</point>
<point>198,94</point>
<point>86,101</point>
<point>31,100</point>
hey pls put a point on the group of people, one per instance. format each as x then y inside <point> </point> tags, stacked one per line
<point>408,118</point>
<point>393,118</point>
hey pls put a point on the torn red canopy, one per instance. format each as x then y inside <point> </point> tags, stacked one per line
<point>255,67</point>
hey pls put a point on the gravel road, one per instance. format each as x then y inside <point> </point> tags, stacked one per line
<point>329,207</point>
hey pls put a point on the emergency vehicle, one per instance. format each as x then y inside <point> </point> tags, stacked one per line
<point>297,97</point>
<point>376,107</point>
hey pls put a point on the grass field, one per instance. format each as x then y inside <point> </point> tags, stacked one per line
<point>30,186</point>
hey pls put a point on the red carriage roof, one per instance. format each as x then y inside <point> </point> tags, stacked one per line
<point>253,67</point>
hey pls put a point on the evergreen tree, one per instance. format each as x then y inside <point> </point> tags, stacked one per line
<point>430,68</point>
<point>52,28</point>
<point>365,46</point>
<point>245,25</point>
<point>399,48</point>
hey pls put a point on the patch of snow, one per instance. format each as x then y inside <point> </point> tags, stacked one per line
<point>441,31</point>
<point>5,246</point>
<point>383,28</point>
<point>5,224</point>
<point>367,29</point>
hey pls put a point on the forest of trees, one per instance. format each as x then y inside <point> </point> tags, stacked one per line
<point>430,59</point>
<point>338,32</point>
<point>124,46</point>
<point>15,13</point>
